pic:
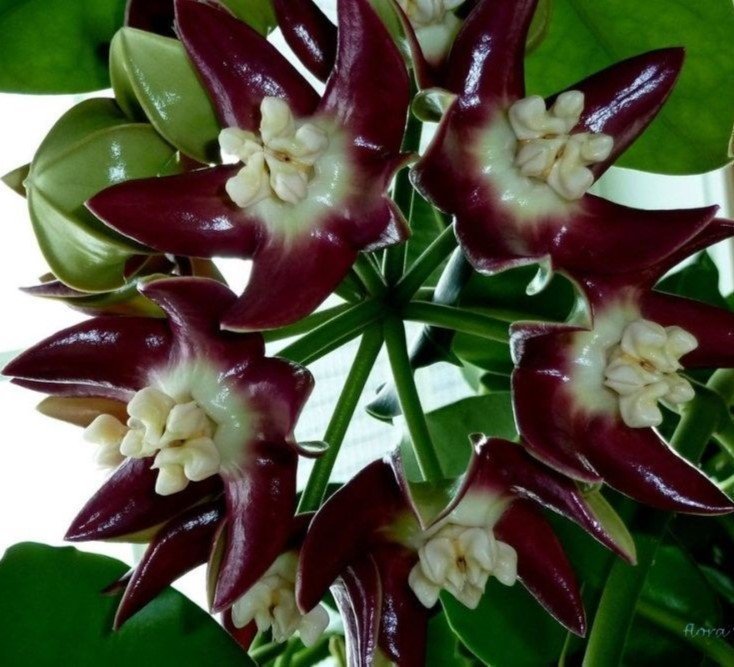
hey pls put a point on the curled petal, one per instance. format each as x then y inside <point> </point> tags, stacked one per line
<point>261,498</point>
<point>123,349</point>
<point>128,504</point>
<point>543,567</point>
<point>347,523</point>
<point>187,214</point>
<point>243,636</point>
<point>374,108</point>
<point>309,33</point>
<point>181,545</point>
<point>358,594</point>
<point>252,68</point>
<point>81,411</point>
<point>486,62</point>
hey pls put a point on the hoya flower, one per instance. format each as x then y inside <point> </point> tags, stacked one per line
<point>202,410</point>
<point>306,191</point>
<point>391,554</point>
<point>515,169</point>
<point>430,27</point>
<point>603,384</point>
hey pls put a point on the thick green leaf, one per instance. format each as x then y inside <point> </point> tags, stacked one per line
<point>442,647</point>
<point>426,223</point>
<point>698,280</point>
<point>91,147</point>
<point>15,179</point>
<point>693,131</point>
<point>56,46</point>
<point>451,426</point>
<point>153,79</point>
<point>53,613</point>
<point>508,628</point>
<point>259,14</point>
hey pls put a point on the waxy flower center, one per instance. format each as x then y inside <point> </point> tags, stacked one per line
<point>546,149</point>
<point>179,433</point>
<point>423,13</point>
<point>643,370</point>
<point>279,162</point>
<point>435,25</point>
<point>461,559</point>
<point>271,603</point>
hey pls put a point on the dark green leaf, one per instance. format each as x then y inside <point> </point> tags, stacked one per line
<point>426,223</point>
<point>153,79</point>
<point>692,133</point>
<point>259,14</point>
<point>56,46</point>
<point>442,648</point>
<point>52,613</point>
<point>15,179</point>
<point>698,280</point>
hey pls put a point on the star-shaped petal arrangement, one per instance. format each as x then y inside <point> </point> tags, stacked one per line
<point>603,383</point>
<point>307,191</point>
<point>514,170</point>
<point>199,413</point>
<point>392,547</point>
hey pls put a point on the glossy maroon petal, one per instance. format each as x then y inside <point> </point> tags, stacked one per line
<point>404,622</point>
<point>426,75</point>
<point>374,108</point>
<point>112,353</point>
<point>243,636</point>
<point>347,523</point>
<point>486,62</point>
<point>261,499</point>
<point>623,99</point>
<point>151,15</point>
<point>506,467</point>
<point>542,565</point>
<point>358,594</point>
<point>128,504</point>
<point>713,327</point>
<point>289,281</point>
<point>309,33</point>
<point>187,214</point>
<point>238,66</point>
<point>637,462</point>
<point>181,545</point>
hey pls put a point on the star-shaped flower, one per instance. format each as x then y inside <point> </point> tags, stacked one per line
<point>307,188</point>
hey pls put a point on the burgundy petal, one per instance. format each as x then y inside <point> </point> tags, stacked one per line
<point>289,281</point>
<point>486,62</point>
<point>374,108</point>
<point>151,15</point>
<point>243,636</point>
<point>309,33</point>
<point>238,66</point>
<point>180,546</point>
<point>426,75</point>
<point>344,527</point>
<point>261,499</point>
<point>542,565</point>
<point>112,353</point>
<point>637,462</point>
<point>623,99</point>
<point>128,504</point>
<point>187,214</point>
<point>713,327</point>
<point>358,594</point>
<point>404,623</point>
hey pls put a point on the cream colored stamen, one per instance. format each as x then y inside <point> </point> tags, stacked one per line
<point>461,559</point>
<point>435,25</point>
<point>107,432</point>
<point>546,149</point>
<point>271,603</point>
<point>643,370</point>
<point>279,162</point>
<point>179,434</point>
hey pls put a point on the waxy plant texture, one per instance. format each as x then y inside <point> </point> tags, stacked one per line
<point>195,421</point>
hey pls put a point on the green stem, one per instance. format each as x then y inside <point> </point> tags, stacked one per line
<point>333,334</point>
<point>306,324</point>
<point>313,654</point>
<point>363,363</point>
<point>397,350</point>
<point>624,584</point>
<point>713,647</point>
<point>369,275</point>
<point>403,194</point>
<point>431,258</point>
<point>267,652</point>
<point>725,436</point>
<point>458,319</point>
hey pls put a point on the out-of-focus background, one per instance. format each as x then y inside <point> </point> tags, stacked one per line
<point>46,469</point>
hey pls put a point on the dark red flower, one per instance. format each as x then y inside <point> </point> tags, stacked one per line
<point>309,190</point>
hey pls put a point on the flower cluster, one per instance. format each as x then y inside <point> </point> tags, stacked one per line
<point>197,423</point>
